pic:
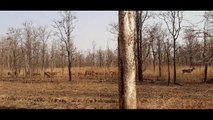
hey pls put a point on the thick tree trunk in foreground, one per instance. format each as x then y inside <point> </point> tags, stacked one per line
<point>127,69</point>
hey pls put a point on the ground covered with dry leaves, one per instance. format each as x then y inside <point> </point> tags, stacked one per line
<point>96,94</point>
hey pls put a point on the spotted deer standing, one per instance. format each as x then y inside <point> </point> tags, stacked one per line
<point>188,70</point>
<point>12,74</point>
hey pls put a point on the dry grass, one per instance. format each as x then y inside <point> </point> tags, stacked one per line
<point>194,76</point>
<point>57,95</point>
<point>189,96</point>
<point>91,94</point>
<point>102,93</point>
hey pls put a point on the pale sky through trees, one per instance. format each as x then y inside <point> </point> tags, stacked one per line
<point>90,25</point>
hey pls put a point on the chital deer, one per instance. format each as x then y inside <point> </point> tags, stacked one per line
<point>9,73</point>
<point>89,73</point>
<point>51,74</point>
<point>188,70</point>
<point>47,74</point>
<point>36,74</point>
<point>28,73</point>
<point>12,73</point>
<point>111,73</point>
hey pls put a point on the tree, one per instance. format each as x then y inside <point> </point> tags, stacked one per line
<point>141,17</point>
<point>44,35</point>
<point>167,49</point>
<point>109,56</point>
<point>173,20</point>
<point>89,59</point>
<point>113,29</point>
<point>153,39</point>
<point>2,51</point>
<point>207,55</point>
<point>65,27</point>
<point>160,39</point>
<point>52,55</point>
<point>207,17</point>
<point>100,57</point>
<point>14,36</point>
<point>126,58</point>
<point>29,36</point>
<point>156,36</point>
<point>93,56</point>
<point>190,40</point>
<point>79,59</point>
<point>62,56</point>
<point>36,44</point>
<point>140,44</point>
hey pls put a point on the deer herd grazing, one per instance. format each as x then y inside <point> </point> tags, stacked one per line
<point>48,74</point>
<point>96,74</point>
<point>87,74</point>
<point>90,74</point>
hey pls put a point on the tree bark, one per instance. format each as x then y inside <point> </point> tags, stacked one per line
<point>127,85</point>
<point>65,28</point>
<point>139,44</point>
<point>154,62</point>
<point>62,69</point>
<point>190,58</point>
<point>173,20</point>
<point>174,61</point>
<point>159,58</point>
<point>204,56</point>
<point>42,64</point>
<point>205,72</point>
<point>168,67</point>
<point>69,65</point>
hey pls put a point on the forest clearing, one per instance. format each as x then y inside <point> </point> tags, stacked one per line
<point>121,60</point>
<point>101,91</point>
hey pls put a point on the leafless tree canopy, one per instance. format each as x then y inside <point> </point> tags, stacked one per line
<point>173,20</point>
<point>65,27</point>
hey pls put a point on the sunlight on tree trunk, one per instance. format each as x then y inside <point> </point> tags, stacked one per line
<point>127,69</point>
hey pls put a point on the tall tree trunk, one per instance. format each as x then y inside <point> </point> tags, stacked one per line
<point>42,64</point>
<point>25,66</point>
<point>30,66</point>
<point>69,65</point>
<point>37,63</point>
<point>127,85</point>
<point>174,61</point>
<point>168,67</point>
<point>62,65</point>
<point>205,72</point>
<point>8,62</point>
<point>190,58</point>
<point>154,55</point>
<point>159,59</point>
<point>154,61</point>
<point>140,63</point>
<point>15,63</point>
<point>52,65</point>
<point>204,56</point>
<point>138,43</point>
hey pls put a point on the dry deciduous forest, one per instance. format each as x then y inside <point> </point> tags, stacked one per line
<point>163,65</point>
